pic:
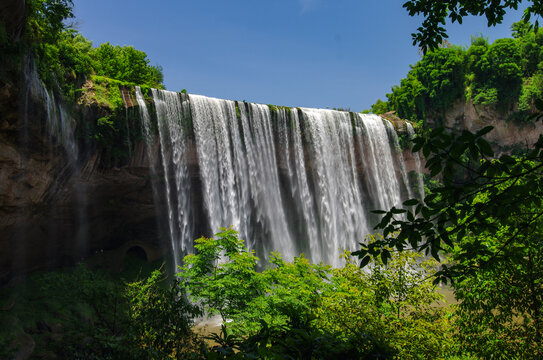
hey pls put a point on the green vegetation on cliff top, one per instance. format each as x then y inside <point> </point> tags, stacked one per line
<point>501,74</point>
<point>69,65</point>
<point>65,59</point>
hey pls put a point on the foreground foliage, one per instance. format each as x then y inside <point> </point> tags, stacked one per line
<point>488,222</point>
<point>301,310</point>
<point>289,310</point>
<point>501,299</point>
<point>485,214</point>
<point>432,33</point>
<point>91,314</point>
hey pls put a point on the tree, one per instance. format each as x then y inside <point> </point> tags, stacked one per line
<point>222,275</point>
<point>431,33</point>
<point>485,216</point>
<point>500,304</point>
<point>297,309</point>
<point>160,319</point>
<point>490,190</point>
<point>46,19</point>
<point>435,82</point>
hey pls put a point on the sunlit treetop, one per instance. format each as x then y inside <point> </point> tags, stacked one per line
<point>432,32</point>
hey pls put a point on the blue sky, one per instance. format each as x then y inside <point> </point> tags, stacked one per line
<point>311,53</point>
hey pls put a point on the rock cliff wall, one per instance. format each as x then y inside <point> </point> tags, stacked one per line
<point>508,135</point>
<point>55,211</point>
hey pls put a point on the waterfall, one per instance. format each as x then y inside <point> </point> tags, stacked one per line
<point>150,147</point>
<point>60,126</point>
<point>420,182</point>
<point>288,179</point>
<point>146,123</point>
<point>171,110</point>
<point>60,130</point>
<point>213,124</point>
<point>292,153</point>
<point>340,207</point>
<point>381,175</point>
<point>238,167</point>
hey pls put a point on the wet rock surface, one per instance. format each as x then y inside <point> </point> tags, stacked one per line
<point>55,212</point>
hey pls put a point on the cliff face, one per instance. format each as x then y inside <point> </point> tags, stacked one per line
<point>507,135</point>
<point>58,206</point>
<point>54,210</point>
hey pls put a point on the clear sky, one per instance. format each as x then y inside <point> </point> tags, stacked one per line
<point>310,53</point>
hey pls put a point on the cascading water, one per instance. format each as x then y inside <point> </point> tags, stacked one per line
<point>212,122</point>
<point>381,175</point>
<point>238,167</point>
<point>289,180</point>
<point>146,122</point>
<point>420,181</point>
<point>264,186</point>
<point>340,206</point>
<point>60,128</point>
<point>150,147</point>
<point>172,112</point>
<point>293,158</point>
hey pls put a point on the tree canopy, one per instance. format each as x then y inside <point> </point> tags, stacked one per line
<point>64,58</point>
<point>432,33</point>
<point>501,74</point>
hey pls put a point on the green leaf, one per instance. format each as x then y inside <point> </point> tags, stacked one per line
<point>365,260</point>
<point>435,169</point>
<point>485,147</point>
<point>426,150</point>
<point>484,131</point>
<point>506,159</point>
<point>411,202</point>
<point>430,198</point>
<point>389,229</point>
<point>385,255</point>
<point>426,213</point>
<point>417,147</point>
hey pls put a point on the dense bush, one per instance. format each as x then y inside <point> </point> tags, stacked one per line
<point>160,319</point>
<point>92,314</point>
<point>291,309</point>
<point>126,64</point>
<point>500,308</point>
<point>488,225</point>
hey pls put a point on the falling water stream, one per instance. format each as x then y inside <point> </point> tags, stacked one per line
<point>288,179</point>
<point>420,181</point>
<point>60,129</point>
<point>172,111</point>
